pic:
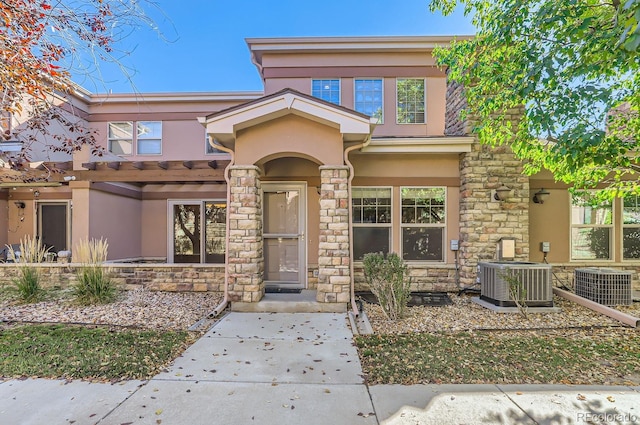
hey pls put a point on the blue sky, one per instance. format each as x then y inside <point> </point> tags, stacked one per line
<point>201,46</point>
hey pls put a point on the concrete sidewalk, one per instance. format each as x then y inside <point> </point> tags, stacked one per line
<point>286,368</point>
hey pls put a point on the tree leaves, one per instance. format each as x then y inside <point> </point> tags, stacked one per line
<point>562,65</point>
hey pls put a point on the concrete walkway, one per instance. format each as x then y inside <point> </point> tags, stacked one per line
<point>286,368</point>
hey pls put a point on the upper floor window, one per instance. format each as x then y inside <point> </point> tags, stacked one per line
<point>423,223</point>
<point>631,228</point>
<point>369,97</point>
<point>328,90</point>
<point>210,150</point>
<point>371,220</point>
<point>411,101</point>
<point>591,229</point>
<point>148,137</point>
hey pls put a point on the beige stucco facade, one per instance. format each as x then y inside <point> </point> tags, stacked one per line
<point>296,156</point>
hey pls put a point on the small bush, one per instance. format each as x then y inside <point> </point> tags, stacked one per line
<point>387,279</point>
<point>94,283</point>
<point>27,283</point>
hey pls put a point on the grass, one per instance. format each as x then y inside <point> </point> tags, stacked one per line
<point>598,357</point>
<point>72,352</point>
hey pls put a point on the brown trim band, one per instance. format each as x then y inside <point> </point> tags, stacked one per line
<point>351,72</point>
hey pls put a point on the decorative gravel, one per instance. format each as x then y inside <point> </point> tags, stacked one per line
<point>466,315</point>
<point>138,308</point>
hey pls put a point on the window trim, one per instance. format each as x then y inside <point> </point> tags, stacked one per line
<point>382,225</point>
<point>355,90</point>
<point>612,233</point>
<point>170,227</point>
<point>134,137</point>
<point>425,225</point>
<point>624,226</point>
<point>137,139</point>
<point>424,101</point>
<point>339,80</point>
<point>109,139</point>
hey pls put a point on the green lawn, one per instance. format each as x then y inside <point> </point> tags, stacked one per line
<point>589,357</point>
<point>74,352</point>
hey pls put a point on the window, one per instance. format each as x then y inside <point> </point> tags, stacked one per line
<point>423,223</point>
<point>631,228</point>
<point>371,220</point>
<point>121,138</point>
<point>368,97</point>
<point>411,101</point>
<point>328,90</point>
<point>591,229</point>
<point>210,150</point>
<point>148,137</point>
<point>198,231</point>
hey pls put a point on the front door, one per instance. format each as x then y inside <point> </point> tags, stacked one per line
<point>285,256</point>
<point>53,225</point>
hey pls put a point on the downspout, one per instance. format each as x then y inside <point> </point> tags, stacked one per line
<point>227,178</point>
<point>354,305</point>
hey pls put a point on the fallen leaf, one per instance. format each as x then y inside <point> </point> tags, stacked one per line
<point>581,397</point>
<point>159,412</point>
<point>611,399</point>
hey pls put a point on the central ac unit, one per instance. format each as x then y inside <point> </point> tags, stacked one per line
<point>535,280</point>
<point>604,286</point>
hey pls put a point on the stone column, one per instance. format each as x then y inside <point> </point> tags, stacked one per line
<point>246,260</point>
<point>334,277</point>
<point>483,220</point>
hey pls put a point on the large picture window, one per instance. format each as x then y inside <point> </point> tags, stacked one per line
<point>328,90</point>
<point>371,220</point>
<point>631,228</point>
<point>411,101</point>
<point>591,229</point>
<point>369,98</point>
<point>198,231</point>
<point>423,223</point>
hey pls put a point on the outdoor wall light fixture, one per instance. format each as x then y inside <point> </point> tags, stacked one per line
<point>540,196</point>
<point>502,193</point>
<point>20,205</point>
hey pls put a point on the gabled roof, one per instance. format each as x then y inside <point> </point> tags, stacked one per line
<point>225,124</point>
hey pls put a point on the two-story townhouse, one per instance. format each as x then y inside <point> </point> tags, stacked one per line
<point>355,146</point>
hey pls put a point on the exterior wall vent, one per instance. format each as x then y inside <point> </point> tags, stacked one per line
<point>535,277</point>
<point>604,286</point>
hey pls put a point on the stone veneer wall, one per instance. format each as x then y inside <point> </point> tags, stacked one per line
<point>424,277</point>
<point>246,261</point>
<point>456,102</point>
<point>154,277</point>
<point>334,279</point>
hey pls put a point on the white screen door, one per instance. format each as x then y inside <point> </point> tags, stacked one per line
<point>285,256</point>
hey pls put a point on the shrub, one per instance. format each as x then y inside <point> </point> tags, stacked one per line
<point>387,279</point>
<point>94,284</point>
<point>27,283</point>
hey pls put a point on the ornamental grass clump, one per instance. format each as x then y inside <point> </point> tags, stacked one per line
<point>94,285</point>
<point>27,284</point>
<point>388,282</point>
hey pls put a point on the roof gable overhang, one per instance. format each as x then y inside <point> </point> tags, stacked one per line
<point>224,125</point>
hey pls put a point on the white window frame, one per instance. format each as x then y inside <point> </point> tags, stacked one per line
<point>135,137</point>
<point>424,101</point>
<point>442,225</point>
<point>138,137</point>
<point>385,225</point>
<point>208,146</point>
<point>611,227</point>
<point>112,139</point>
<point>355,95</point>
<point>328,79</point>
<point>628,226</point>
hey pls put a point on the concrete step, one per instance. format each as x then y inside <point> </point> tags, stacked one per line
<point>304,302</point>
